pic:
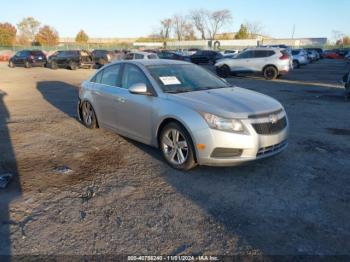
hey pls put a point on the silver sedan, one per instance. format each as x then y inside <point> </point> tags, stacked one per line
<point>192,115</point>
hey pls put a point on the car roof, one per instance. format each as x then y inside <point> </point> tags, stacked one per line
<point>264,48</point>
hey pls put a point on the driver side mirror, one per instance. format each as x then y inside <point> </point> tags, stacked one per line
<point>139,89</point>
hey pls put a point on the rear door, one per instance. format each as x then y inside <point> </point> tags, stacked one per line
<point>261,59</point>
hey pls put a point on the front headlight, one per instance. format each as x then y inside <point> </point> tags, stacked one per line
<point>224,124</point>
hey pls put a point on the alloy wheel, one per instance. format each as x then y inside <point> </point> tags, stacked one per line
<point>88,114</point>
<point>175,147</point>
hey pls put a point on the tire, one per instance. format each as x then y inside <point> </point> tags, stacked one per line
<point>296,64</point>
<point>53,65</point>
<point>270,73</point>
<point>11,64</point>
<point>88,116</point>
<point>73,66</point>
<point>102,62</point>
<point>27,64</point>
<point>182,155</point>
<point>223,71</point>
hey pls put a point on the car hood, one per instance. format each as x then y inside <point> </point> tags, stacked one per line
<point>233,102</point>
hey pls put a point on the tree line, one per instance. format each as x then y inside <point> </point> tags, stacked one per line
<point>30,32</point>
<point>202,24</point>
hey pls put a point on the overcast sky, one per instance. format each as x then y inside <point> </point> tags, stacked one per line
<point>108,18</point>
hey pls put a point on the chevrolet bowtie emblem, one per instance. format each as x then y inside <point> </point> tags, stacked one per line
<point>273,119</point>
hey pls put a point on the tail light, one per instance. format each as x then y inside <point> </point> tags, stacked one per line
<point>284,57</point>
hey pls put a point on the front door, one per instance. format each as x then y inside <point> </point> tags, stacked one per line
<point>135,112</point>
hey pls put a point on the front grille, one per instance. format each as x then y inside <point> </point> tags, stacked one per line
<point>270,128</point>
<point>270,149</point>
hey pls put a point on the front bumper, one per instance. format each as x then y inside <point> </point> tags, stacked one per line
<point>253,146</point>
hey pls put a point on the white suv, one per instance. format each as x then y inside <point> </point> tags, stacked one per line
<point>271,62</point>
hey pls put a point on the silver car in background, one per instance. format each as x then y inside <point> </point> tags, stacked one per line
<point>192,115</point>
<point>300,57</point>
<point>271,62</point>
<point>140,55</point>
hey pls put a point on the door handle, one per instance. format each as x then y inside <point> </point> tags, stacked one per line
<point>120,99</point>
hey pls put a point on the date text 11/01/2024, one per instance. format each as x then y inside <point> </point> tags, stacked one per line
<point>173,258</point>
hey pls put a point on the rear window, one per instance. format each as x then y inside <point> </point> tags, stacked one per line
<point>139,56</point>
<point>263,53</point>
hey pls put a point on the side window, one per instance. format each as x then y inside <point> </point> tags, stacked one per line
<point>110,76</point>
<point>139,56</point>
<point>97,78</point>
<point>260,53</point>
<point>133,75</point>
<point>246,54</point>
<point>129,56</point>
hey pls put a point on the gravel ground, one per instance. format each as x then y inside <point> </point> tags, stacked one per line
<point>116,196</point>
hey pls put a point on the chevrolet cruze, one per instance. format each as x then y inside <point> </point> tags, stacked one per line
<point>193,116</point>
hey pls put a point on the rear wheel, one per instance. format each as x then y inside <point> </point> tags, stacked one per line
<point>270,73</point>
<point>296,64</point>
<point>223,71</point>
<point>88,115</point>
<point>177,147</point>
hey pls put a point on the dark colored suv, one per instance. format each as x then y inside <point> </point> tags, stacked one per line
<point>206,57</point>
<point>102,57</point>
<point>71,59</point>
<point>173,56</point>
<point>28,58</point>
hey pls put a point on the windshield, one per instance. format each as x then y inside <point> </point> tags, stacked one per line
<point>185,78</point>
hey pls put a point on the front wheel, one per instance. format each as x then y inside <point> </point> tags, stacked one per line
<point>223,71</point>
<point>177,147</point>
<point>27,64</point>
<point>88,115</point>
<point>53,65</point>
<point>73,66</point>
<point>270,73</point>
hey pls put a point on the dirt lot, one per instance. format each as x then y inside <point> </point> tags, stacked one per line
<point>121,198</point>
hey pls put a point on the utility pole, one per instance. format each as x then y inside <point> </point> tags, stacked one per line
<point>293,31</point>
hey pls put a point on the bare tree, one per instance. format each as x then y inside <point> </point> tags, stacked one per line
<point>199,18</point>
<point>179,25</point>
<point>216,20</point>
<point>337,35</point>
<point>255,28</point>
<point>28,28</point>
<point>189,33</point>
<point>165,30</point>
